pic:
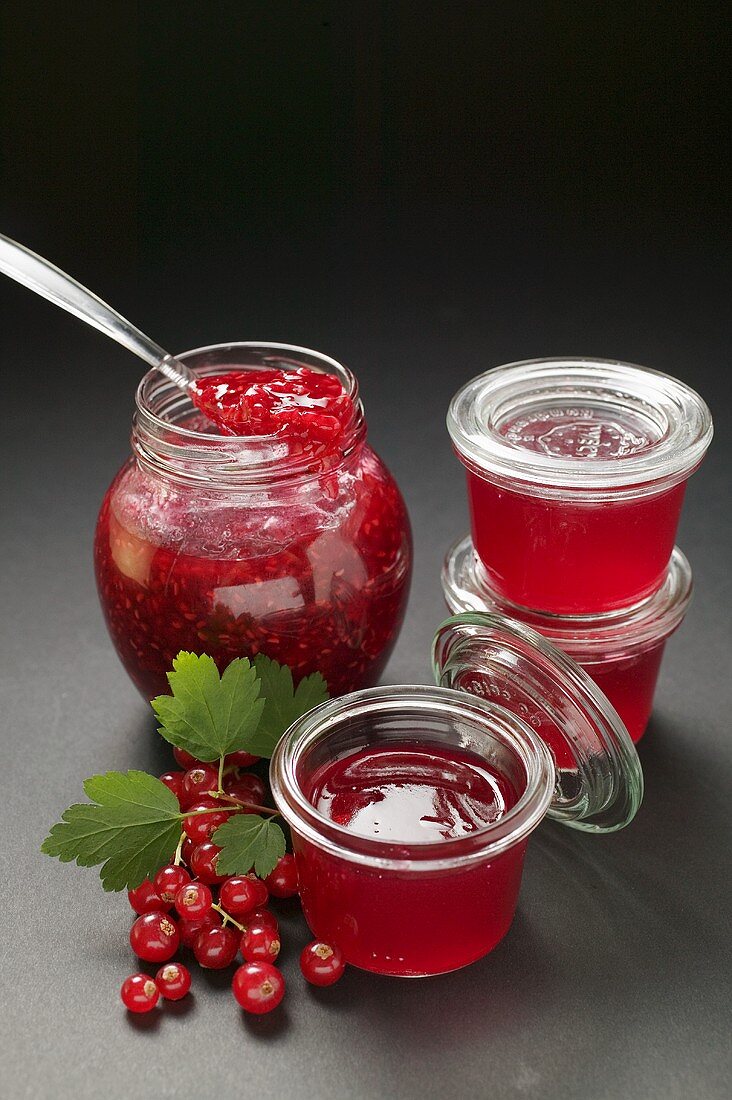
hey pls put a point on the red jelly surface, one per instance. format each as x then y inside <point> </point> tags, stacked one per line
<point>301,404</point>
<point>314,572</point>
<point>572,558</point>
<point>630,683</point>
<point>415,922</point>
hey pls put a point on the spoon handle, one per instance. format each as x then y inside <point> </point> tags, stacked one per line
<point>50,282</point>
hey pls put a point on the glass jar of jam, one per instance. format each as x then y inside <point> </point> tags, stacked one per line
<point>236,545</point>
<point>411,807</point>
<point>576,470</point>
<point>621,650</point>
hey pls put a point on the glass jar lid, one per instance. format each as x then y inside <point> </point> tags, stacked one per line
<point>599,781</point>
<point>611,634</point>
<point>586,425</point>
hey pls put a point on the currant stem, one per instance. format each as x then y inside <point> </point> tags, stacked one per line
<point>178,857</point>
<point>237,802</point>
<point>250,806</point>
<point>227,917</point>
<point>221,775</point>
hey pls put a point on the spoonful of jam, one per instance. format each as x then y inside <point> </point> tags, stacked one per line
<point>302,405</point>
<point>299,404</point>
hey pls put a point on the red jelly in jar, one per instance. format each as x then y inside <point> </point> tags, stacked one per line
<point>294,543</point>
<point>411,807</point>
<point>576,470</point>
<point>621,650</point>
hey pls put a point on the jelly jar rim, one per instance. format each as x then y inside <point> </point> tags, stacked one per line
<point>607,635</point>
<point>192,456</point>
<point>684,425</point>
<point>488,842</point>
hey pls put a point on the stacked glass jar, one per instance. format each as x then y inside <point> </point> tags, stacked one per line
<point>576,471</point>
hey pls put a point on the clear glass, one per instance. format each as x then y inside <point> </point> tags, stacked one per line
<point>576,472</point>
<point>236,546</point>
<point>410,909</point>
<point>598,777</point>
<point>621,651</point>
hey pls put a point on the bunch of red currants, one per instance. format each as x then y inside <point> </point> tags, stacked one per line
<point>178,908</point>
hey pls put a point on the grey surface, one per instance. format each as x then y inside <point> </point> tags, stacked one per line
<point>614,981</point>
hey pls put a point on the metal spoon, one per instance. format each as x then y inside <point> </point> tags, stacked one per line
<point>50,282</point>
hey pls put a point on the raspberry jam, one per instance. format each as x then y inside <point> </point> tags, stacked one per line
<point>576,472</point>
<point>410,808</point>
<point>622,651</point>
<point>300,404</point>
<point>291,544</point>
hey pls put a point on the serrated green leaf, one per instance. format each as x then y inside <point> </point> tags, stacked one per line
<point>282,702</point>
<point>132,826</point>
<point>210,715</point>
<point>247,841</point>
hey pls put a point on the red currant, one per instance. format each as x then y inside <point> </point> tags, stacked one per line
<point>258,987</point>
<point>145,899</point>
<point>187,850</point>
<point>282,882</point>
<point>216,947</point>
<point>139,993</point>
<point>321,963</point>
<point>173,980</point>
<point>260,943</point>
<point>201,827</point>
<point>169,880</point>
<point>203,863</point>
<point>197,782</point>
<point>241,759</point>
<point>238,896</point>
<point>154,937</point>
<point>189,929</point>
<point>248,788</point>
<point>174,782</point>
<point>193,900</point>
<point>262,916</point>
<point>184,759</point>
<point>260,890</point>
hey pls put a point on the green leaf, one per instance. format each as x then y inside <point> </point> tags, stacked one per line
<point>132,826</point>
<point>282,703</point>
<point>247,841</point>
<point>209,715</point>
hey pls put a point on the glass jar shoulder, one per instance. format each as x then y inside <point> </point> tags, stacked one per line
<point>359,502</point>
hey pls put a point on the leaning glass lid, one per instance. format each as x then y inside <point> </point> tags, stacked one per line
<point>598,776</point>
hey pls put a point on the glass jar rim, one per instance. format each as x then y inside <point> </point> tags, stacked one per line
<point>431,856</point>
<point>608,635</point>
<point>201,457</point>
<point>682,418</point>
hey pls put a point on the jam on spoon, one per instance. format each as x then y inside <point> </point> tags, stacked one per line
<point>301,404</point>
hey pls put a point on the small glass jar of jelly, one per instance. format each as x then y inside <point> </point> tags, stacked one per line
<point>411,807</point>
<point>621,650</point>
<point>576,471</point>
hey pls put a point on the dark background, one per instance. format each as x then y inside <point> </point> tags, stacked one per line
<point>422,190</point>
